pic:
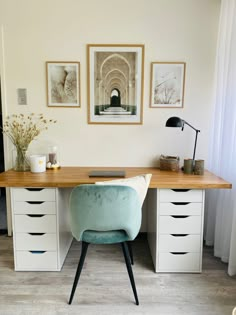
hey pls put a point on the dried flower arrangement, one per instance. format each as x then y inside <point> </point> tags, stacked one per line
<point>22,130</point>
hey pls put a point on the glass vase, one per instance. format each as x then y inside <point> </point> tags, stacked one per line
<point>20,160</point>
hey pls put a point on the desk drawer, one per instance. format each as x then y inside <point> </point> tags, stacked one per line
<point>34,194</point>
<point>180,208</point>
<point>35,207</point>
<point>181,195</point>
<point>33,260</point>
<point>184,262</point>
<point>36,241</point>
<point>180,224</point>
<point>179,243</point>
<point>35,224</point>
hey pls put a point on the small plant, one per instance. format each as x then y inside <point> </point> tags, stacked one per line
<point>22,130</point>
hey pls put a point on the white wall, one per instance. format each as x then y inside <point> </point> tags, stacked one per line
<point>35,31</point>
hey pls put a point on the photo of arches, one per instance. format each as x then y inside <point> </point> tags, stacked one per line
<point>115,84</point>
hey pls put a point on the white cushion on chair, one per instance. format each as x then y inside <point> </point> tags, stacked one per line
<point>140,183</point>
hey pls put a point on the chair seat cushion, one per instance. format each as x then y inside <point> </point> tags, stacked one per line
<point>104,237</point>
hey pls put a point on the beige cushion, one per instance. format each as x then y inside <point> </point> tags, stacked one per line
<point>140,183</point>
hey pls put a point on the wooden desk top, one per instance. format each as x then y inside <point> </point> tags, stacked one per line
<point>72,176</point>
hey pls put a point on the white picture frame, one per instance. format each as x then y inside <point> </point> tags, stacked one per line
<point>167,84</point>
<point>63,83</point>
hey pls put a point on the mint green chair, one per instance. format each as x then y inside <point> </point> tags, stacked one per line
<point>102,214</point>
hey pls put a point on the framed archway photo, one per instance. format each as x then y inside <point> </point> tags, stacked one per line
<point>115,83</point>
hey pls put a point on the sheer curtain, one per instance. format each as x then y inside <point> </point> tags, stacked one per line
<point>220,220</point>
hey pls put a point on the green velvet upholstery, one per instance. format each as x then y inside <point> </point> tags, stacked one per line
<point>108,214</point>
<point>105,237</point>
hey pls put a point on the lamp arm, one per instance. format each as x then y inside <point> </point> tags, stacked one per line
<point>195,144</point>
<point>185,122</point>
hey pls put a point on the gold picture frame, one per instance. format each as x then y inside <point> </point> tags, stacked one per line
<point>167,84</point>
<point>115,83</point>
<point>63,83</point>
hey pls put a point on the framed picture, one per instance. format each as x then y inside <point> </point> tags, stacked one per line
<point>167,84</point>
<point>63,83</point>
<point>115,84</point>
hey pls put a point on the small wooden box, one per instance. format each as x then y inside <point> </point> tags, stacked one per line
<point>169,163</point>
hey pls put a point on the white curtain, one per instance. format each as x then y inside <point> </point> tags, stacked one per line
<point>220,219</point>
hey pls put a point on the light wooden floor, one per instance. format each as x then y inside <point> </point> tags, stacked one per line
<point>105,289</point>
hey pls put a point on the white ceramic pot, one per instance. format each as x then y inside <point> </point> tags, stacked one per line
<point>37,163</point>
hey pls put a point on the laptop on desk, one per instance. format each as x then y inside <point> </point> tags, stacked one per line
<point>108,173</point>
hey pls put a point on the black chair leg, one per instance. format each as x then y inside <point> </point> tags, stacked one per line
<point>129,269</point>
<point>79,269</point>
<point>130,253</point>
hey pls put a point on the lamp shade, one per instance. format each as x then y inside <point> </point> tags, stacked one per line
<point>174,122</point>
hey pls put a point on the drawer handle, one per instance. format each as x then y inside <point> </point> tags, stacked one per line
<point>179,235</point>
<point>180,203</point>
<point>36,215</point>
<point>34,189</point>
<point>179,216</point>
<point>180,190</point>
<point>39,234</point>
<point>35,202</point>
<point>37,251</point>
<point>179,253</point>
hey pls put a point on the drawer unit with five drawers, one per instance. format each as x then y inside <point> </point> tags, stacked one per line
<point>39,242</point>
<point>177,244</point>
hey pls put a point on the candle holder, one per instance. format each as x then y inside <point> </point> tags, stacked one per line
<point>53,158</point>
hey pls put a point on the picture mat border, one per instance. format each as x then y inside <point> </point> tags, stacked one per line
<point>48,85</point>
<point>140,49</point>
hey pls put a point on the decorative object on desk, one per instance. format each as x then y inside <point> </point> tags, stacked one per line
<point>188,166</point>
<point>115,84</point>
<point>20,159</point>
<point>167,84</point>
<point>38,163</point>
<point>22,130</point>
<point>169,163</point>
<point>178,122</point>
<point>53,158</point>
<point>63,84</point>
<point>199,167</point>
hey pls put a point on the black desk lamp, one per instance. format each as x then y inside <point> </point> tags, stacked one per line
<point>178,122</point>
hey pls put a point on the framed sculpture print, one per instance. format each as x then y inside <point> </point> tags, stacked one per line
<point>167,84</point>
<point>63,83</point>
<point>115,84</point>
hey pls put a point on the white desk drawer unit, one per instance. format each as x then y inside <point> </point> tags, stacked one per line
<point>180,208</point>
<point>42,223</point>
<point>177,245</point>
<point>38,242</point>
<point>180,195</point>
<point>34,194</point>
<point>35,207</point>
<point>179,224</point>
<point>180,230</point>
<point>181,262</point>
<point>36,260</point>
